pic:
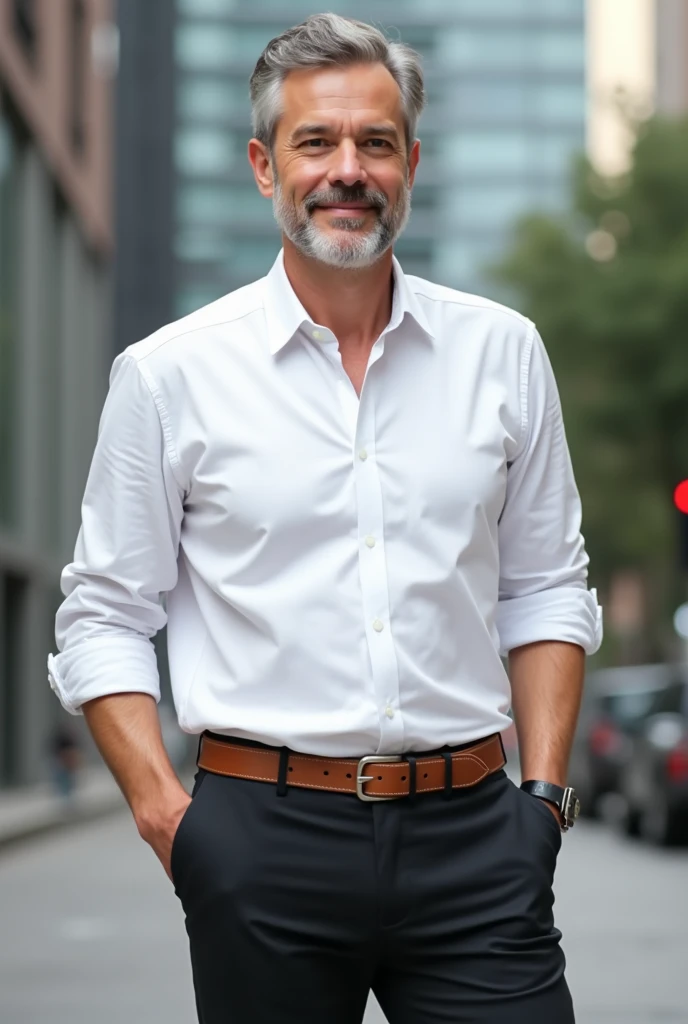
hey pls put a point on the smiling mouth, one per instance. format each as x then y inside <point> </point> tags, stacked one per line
<point>346,212</point>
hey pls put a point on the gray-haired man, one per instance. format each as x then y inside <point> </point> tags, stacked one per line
<point>354,489</point>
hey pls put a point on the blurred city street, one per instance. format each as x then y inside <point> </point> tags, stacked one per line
<point>147,363</point>
<point>90,930</point>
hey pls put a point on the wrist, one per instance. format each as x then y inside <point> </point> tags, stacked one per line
<point>154,809</point>
<point>547,772</point>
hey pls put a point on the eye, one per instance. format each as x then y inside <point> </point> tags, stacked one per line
<point>314,143</point>
<point>379,143</point>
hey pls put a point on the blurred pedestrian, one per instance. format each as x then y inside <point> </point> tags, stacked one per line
<point>354,489</point>
<point>65,760</point>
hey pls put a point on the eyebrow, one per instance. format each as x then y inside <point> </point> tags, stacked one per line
<point>325,129</point>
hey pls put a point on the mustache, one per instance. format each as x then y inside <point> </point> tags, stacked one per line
<point>371,197</point>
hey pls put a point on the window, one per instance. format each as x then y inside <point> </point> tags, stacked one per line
<point>558,102</point>
<point>198,8</point>
<point>488,206</point>
<point>458,263</point>
<point>552,154</point>
<point>476,100</point>
<point>464,48</point>
<point>201,47</point>
<point>522,47</point>
<point>555,50</point>
<point>483,152</point>
<point>481,8</point>
<point>218,47</point>
<point>212,99</point>
<point>199,245</point>
<point>204,152</point>
<point>221,205</point>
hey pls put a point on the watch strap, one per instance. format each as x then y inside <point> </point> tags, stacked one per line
<point>544,790</point>
<point>564,799</point>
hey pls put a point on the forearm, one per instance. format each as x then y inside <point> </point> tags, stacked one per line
<point>126,729</point>
<point>546,689</point>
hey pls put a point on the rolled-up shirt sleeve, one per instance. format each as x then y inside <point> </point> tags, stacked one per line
<point>543,593</point>
<point>125,557</point>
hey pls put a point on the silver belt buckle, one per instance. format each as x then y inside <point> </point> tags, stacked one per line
<point>361,778</point>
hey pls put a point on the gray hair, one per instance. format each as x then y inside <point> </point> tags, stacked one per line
<point>323,40</point>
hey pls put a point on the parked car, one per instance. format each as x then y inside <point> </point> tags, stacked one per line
<point>615,704</point>
<point>654,784</point>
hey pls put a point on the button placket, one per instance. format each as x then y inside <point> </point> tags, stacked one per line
<point>373,577</point>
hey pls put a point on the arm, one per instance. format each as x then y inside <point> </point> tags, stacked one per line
<point>547,619</point>
<point>546,690</point>
<point>126,728</point>
<point>125,559</point>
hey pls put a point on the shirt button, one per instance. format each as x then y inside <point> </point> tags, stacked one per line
<point>370,541</point>
<point>389,711</point>
<point>363,455</point>
<point>317,335</point>
<point>378,626</point>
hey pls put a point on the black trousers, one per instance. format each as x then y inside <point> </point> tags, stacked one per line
<point>297,906</point>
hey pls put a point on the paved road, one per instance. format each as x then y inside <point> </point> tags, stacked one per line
<point>90,931</point>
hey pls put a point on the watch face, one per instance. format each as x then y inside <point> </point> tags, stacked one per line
<point>571,808</point>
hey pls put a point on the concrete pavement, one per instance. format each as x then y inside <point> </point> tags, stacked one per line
<point>29,810</point>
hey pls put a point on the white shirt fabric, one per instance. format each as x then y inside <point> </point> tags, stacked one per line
<point>337,575</point>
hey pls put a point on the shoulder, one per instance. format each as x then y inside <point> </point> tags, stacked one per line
<point>167,343</point>
<point>449,304</point>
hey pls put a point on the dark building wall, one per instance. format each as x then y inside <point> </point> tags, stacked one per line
<point>143,191</point>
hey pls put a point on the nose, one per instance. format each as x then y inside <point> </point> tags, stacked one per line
<point>345,167</point>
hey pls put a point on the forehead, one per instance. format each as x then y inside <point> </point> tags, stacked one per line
<point>359,93</point>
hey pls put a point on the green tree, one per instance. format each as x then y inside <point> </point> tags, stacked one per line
<point>607,286</point>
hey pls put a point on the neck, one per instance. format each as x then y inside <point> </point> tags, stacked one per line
<point>355,305</point>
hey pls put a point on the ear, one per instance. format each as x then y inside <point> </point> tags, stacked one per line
<point>414,157</point>
<point>259,159</point>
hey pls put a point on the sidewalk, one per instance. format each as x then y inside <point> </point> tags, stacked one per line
<point>29,810</point>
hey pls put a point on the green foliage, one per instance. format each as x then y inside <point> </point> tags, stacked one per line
<point>607,286</point>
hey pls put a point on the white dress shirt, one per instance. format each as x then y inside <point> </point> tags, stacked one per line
<point>337,575</point>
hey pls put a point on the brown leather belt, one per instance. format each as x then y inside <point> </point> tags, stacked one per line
<point>374,777</point>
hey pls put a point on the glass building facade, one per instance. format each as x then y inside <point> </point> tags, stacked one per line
<point>55,350</point>
<point>506,112</point>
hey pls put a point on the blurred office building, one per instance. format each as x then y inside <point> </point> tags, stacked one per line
<point>56,61</point>
<point>672,57</point>
<point>506,112</point>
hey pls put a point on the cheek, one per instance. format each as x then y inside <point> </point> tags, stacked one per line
<point>302,178</point>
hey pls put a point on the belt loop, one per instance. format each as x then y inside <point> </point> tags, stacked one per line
<point>501,743</point>
<point>412,777</point>
<point>448,789</point>
<point>282,773</point>
<point>200,744</point>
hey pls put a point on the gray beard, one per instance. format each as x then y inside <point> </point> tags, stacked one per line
<point>357,251</point>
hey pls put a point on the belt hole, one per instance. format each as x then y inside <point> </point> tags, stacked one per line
<point>379,778</point>
<point>326,773</point>
<point>348,775</point>
<point>425,775</point>
<point>290,769</point>
<point>403,778</point>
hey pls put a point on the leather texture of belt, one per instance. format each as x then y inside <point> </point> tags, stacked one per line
<point>374,777</point>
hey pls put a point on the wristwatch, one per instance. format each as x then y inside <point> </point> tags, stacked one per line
<point>564,799</point>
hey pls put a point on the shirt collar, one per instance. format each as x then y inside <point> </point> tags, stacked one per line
<point>284,314</point>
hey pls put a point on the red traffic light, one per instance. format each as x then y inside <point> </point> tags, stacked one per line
<point>681,497</point>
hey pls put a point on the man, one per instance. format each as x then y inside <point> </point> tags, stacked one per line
<point>355,492</point>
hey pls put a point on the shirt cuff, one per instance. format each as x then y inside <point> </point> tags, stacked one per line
<point>103,665</point>
<point>569,614</point>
